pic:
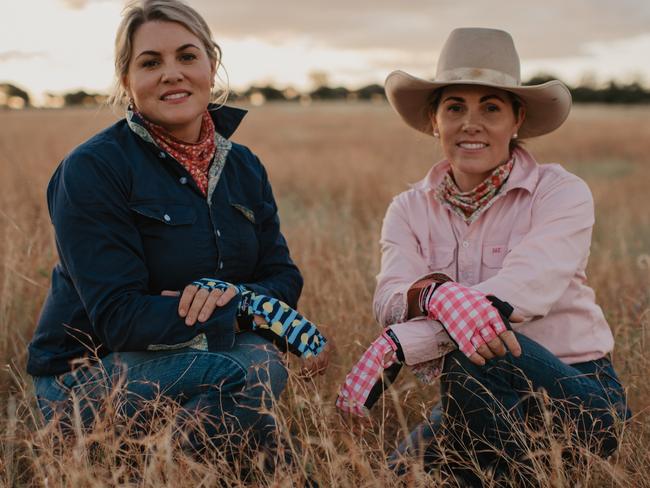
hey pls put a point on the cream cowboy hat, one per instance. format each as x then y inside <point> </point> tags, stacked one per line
<point>487,57</point>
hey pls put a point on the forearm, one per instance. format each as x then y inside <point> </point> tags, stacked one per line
<point>138,323</point>
<point>281,281</point>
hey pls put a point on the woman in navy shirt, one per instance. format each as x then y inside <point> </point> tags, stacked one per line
<point>148,206</point>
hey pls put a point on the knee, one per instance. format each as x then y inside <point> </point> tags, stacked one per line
<point>458,368</point>
<point>267,371</point>
<point>477,386</point>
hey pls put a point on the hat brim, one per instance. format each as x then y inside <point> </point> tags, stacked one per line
<point>547,105</point>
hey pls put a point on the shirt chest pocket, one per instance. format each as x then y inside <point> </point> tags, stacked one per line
<point>494,255</point>
<point>165,227</point>
<point>171,239</point>
<point>492,259</point>
<point>171,214</point>
<point>441,260</point>
<point>239,238</point>
<point>157,218</point>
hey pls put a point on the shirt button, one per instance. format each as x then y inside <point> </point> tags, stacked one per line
<point>162,155</point>
<point>167,217</point>
<point>183,180</point>
<point>221,265</point>
<point>465,244</point>
<point>218,233</point>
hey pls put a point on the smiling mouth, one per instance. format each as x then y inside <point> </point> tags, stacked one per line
<point>175,96</point>
<point>472,145</point>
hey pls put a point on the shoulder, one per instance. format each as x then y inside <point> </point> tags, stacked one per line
<point>555,180</point>
<point>405,212</point>
<point>104,159</point>
<point>409,202</point>
<point>111,144</point>
<point>244,156</point>
<point>245,163</point>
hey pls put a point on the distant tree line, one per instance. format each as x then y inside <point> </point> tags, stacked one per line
<point>12,96</point>
<point>269,93</point>
<point>612,92</point>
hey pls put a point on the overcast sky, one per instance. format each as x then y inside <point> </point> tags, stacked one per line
<point>59,45</point>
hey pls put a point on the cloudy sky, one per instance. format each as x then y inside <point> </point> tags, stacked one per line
<point>60,45</point>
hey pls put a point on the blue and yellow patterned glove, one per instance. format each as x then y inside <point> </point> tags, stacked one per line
<point>284,326</point>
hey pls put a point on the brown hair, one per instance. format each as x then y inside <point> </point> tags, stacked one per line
<point>136,13</point>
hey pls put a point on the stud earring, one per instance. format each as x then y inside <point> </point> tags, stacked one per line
<point>515,135</point>
<point>436,133</point>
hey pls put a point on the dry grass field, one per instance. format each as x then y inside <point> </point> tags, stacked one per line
<point>334,169</point>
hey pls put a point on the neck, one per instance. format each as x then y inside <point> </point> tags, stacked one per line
<point>467,182</point>
<point>187,132</point>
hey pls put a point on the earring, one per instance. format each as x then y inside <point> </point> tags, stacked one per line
<point>515,135</point>
<point>436,133</point>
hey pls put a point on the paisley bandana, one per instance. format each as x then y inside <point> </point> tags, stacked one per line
<point>470,204</point>
<point>195,158</point>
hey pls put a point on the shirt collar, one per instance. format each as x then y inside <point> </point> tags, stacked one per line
<point>524,174</point>
<point>226,120</point>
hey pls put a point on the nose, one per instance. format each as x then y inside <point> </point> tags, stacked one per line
<point>472,122</point>
<point>171,74</point>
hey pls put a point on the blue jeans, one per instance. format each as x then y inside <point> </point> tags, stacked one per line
<point>229,390</point>
<point>485,406</point>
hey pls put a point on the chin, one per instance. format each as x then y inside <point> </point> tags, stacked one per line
<point>179,118</point>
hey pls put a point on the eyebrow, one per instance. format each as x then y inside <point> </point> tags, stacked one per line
<point>156,53</point>
<point>483,99</point>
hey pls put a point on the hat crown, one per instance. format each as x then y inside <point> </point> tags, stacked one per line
<point>479,54</point>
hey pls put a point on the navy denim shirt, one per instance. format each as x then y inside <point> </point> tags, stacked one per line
<point>130,222</point>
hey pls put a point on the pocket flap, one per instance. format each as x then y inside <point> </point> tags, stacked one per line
<point>441,257</point>
<point>167,213</point>
<point>493,255</point>
<point>245,211</point>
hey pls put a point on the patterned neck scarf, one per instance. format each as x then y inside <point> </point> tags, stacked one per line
<point>195,158</point>
<point>470,204</point>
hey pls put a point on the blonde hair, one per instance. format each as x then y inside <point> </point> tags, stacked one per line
<point>136,13</point>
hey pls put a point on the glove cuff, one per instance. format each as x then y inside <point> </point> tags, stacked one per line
<point>426,293</point>
<point>394,342</point>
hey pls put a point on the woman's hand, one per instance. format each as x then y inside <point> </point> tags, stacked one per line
<point>366,381</point>
<point>499,346</point>
<point>478,324</point>
<point>316,365</point>
<point>199,303</point>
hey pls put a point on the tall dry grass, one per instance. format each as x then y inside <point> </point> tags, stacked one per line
<point>334,169</point>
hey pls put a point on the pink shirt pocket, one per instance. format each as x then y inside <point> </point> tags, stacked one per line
<point>441,260</point>
<point>492,259</point>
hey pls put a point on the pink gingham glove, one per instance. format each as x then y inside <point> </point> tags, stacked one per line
<point>370,376</point>
<point>466,314</point>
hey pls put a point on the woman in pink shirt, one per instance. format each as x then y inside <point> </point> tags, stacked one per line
<point>487,238</point>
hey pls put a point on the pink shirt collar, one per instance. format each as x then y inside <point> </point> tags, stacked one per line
<point>525,174</point>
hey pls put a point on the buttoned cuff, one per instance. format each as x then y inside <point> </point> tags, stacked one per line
<point>422,340</point>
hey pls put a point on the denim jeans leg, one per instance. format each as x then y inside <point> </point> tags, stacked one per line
<point>231,388</point>
<point>484,405</point>
<point>417,441</point>
<point>245,412</point>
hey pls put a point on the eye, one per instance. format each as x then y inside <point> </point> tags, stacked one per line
<point>150,63</point>
<point>187,57</point>
<point>454,108</point>
<point>491,107</point>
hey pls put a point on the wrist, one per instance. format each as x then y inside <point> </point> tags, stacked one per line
<point>427,292</point>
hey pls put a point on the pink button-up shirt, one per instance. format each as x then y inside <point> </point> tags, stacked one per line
<point>529,247</point>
